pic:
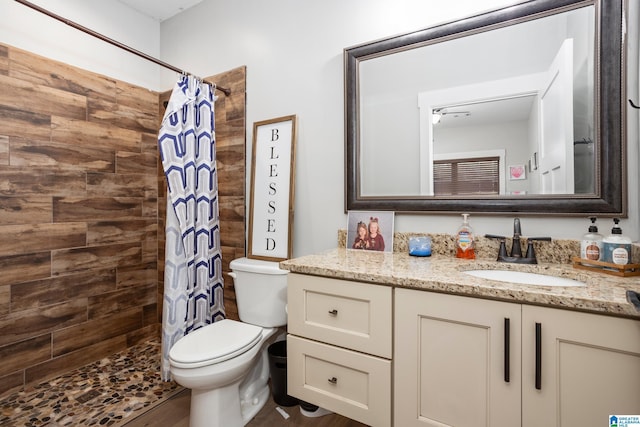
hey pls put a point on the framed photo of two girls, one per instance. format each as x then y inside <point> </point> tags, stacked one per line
<point>370,230</point>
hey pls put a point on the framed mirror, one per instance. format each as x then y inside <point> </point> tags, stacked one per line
<point>514,110</point>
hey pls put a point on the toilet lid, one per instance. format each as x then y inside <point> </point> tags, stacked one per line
<point>215,343</point>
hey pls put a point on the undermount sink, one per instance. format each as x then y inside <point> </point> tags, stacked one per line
<point>524,278</point>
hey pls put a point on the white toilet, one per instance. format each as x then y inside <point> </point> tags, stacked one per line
<point>225,364</point>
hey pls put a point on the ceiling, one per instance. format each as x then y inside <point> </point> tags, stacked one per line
<point>489,112</point>
<point>160,9</point>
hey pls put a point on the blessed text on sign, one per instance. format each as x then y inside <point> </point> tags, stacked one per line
<point>271,200</point>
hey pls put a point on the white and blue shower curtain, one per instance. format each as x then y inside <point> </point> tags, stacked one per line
<point>193,283</point>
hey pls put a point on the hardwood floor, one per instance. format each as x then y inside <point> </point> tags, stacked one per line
<point>175,413</point>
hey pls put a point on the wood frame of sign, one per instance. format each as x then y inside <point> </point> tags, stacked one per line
<point>272,189</point>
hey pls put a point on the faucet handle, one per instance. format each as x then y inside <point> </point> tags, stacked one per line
<point>494,236</point>
<point>502,250</point>
<point>531,253</point>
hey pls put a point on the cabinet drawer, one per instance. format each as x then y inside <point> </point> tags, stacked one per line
<point>348,314</point>
<point>355,385</point>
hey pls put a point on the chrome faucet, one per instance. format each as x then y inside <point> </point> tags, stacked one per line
<point>516,248</point>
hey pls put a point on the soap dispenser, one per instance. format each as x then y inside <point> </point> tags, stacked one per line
<point>465,240</point>
<point>591,245</point>
<point>617,246</point>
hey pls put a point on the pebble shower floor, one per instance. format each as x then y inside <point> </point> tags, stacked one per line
<point>109,392</point>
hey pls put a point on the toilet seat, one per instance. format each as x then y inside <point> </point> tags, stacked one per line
<point>214,343</point>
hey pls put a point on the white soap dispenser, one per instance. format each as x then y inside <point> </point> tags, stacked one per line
<point>591,245</point>
<point>617,246</point>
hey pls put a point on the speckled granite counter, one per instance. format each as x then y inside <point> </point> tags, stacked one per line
<point>603,293</point>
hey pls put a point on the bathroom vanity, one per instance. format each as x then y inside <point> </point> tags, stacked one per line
<point>339,346</point>
<point>390,339</point>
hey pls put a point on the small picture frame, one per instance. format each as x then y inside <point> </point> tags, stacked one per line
<point>370,230</point>
<point>517,172</point>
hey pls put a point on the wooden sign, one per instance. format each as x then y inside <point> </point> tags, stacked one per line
<point>272,189</point>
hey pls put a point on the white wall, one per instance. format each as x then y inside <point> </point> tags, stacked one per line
<point>27,29</point>
<point>391,127</point>
<point>511,136</point>
<point>293,53</point>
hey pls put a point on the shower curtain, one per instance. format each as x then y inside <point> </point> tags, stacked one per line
<point>193,283</point>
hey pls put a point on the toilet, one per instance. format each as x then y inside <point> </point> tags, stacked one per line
<point>225,364</point>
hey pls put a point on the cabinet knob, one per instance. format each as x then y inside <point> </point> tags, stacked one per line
<point>333,380</point>
<point>333,312</point>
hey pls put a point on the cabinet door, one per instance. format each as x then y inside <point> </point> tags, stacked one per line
<point>588,368</point>
<point>454,363</point>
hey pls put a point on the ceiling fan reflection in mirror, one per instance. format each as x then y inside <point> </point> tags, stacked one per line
<point>439,113</point>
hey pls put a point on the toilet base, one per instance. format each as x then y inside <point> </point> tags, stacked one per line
<point>222,407</point>
<point>236,402</point>
<point>251,409</point>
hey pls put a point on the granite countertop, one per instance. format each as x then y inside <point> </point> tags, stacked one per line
<point>603,293</point>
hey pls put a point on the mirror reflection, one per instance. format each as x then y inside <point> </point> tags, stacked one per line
<point>506,112</point>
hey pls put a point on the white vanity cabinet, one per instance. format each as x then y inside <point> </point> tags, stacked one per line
<point>589,368</point>
<point>459,362</point>
<point>339,346</point>
<point>450,358</point>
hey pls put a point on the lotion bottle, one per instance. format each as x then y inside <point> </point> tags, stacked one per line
<point>465,240</point>
<point>591,245</point>
<point>616,246</point>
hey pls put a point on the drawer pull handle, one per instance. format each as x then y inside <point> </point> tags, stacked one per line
<point>507,353</point>
<point>333,312</point>
<point>538,356</point>
<point>333,380</point>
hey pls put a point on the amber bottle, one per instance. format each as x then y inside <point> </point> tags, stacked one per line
<point>465,240</point>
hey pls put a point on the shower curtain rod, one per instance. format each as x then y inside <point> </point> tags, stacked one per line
<point>116,43</point>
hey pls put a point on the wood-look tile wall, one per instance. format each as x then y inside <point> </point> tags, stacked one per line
<point>80,185</point>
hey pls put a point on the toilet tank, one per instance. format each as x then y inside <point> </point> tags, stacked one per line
<point>261,291</point>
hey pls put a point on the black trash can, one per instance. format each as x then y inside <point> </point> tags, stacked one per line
<point>278,370</point>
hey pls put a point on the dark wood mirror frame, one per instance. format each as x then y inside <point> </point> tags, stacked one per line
<point>610,196</point>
